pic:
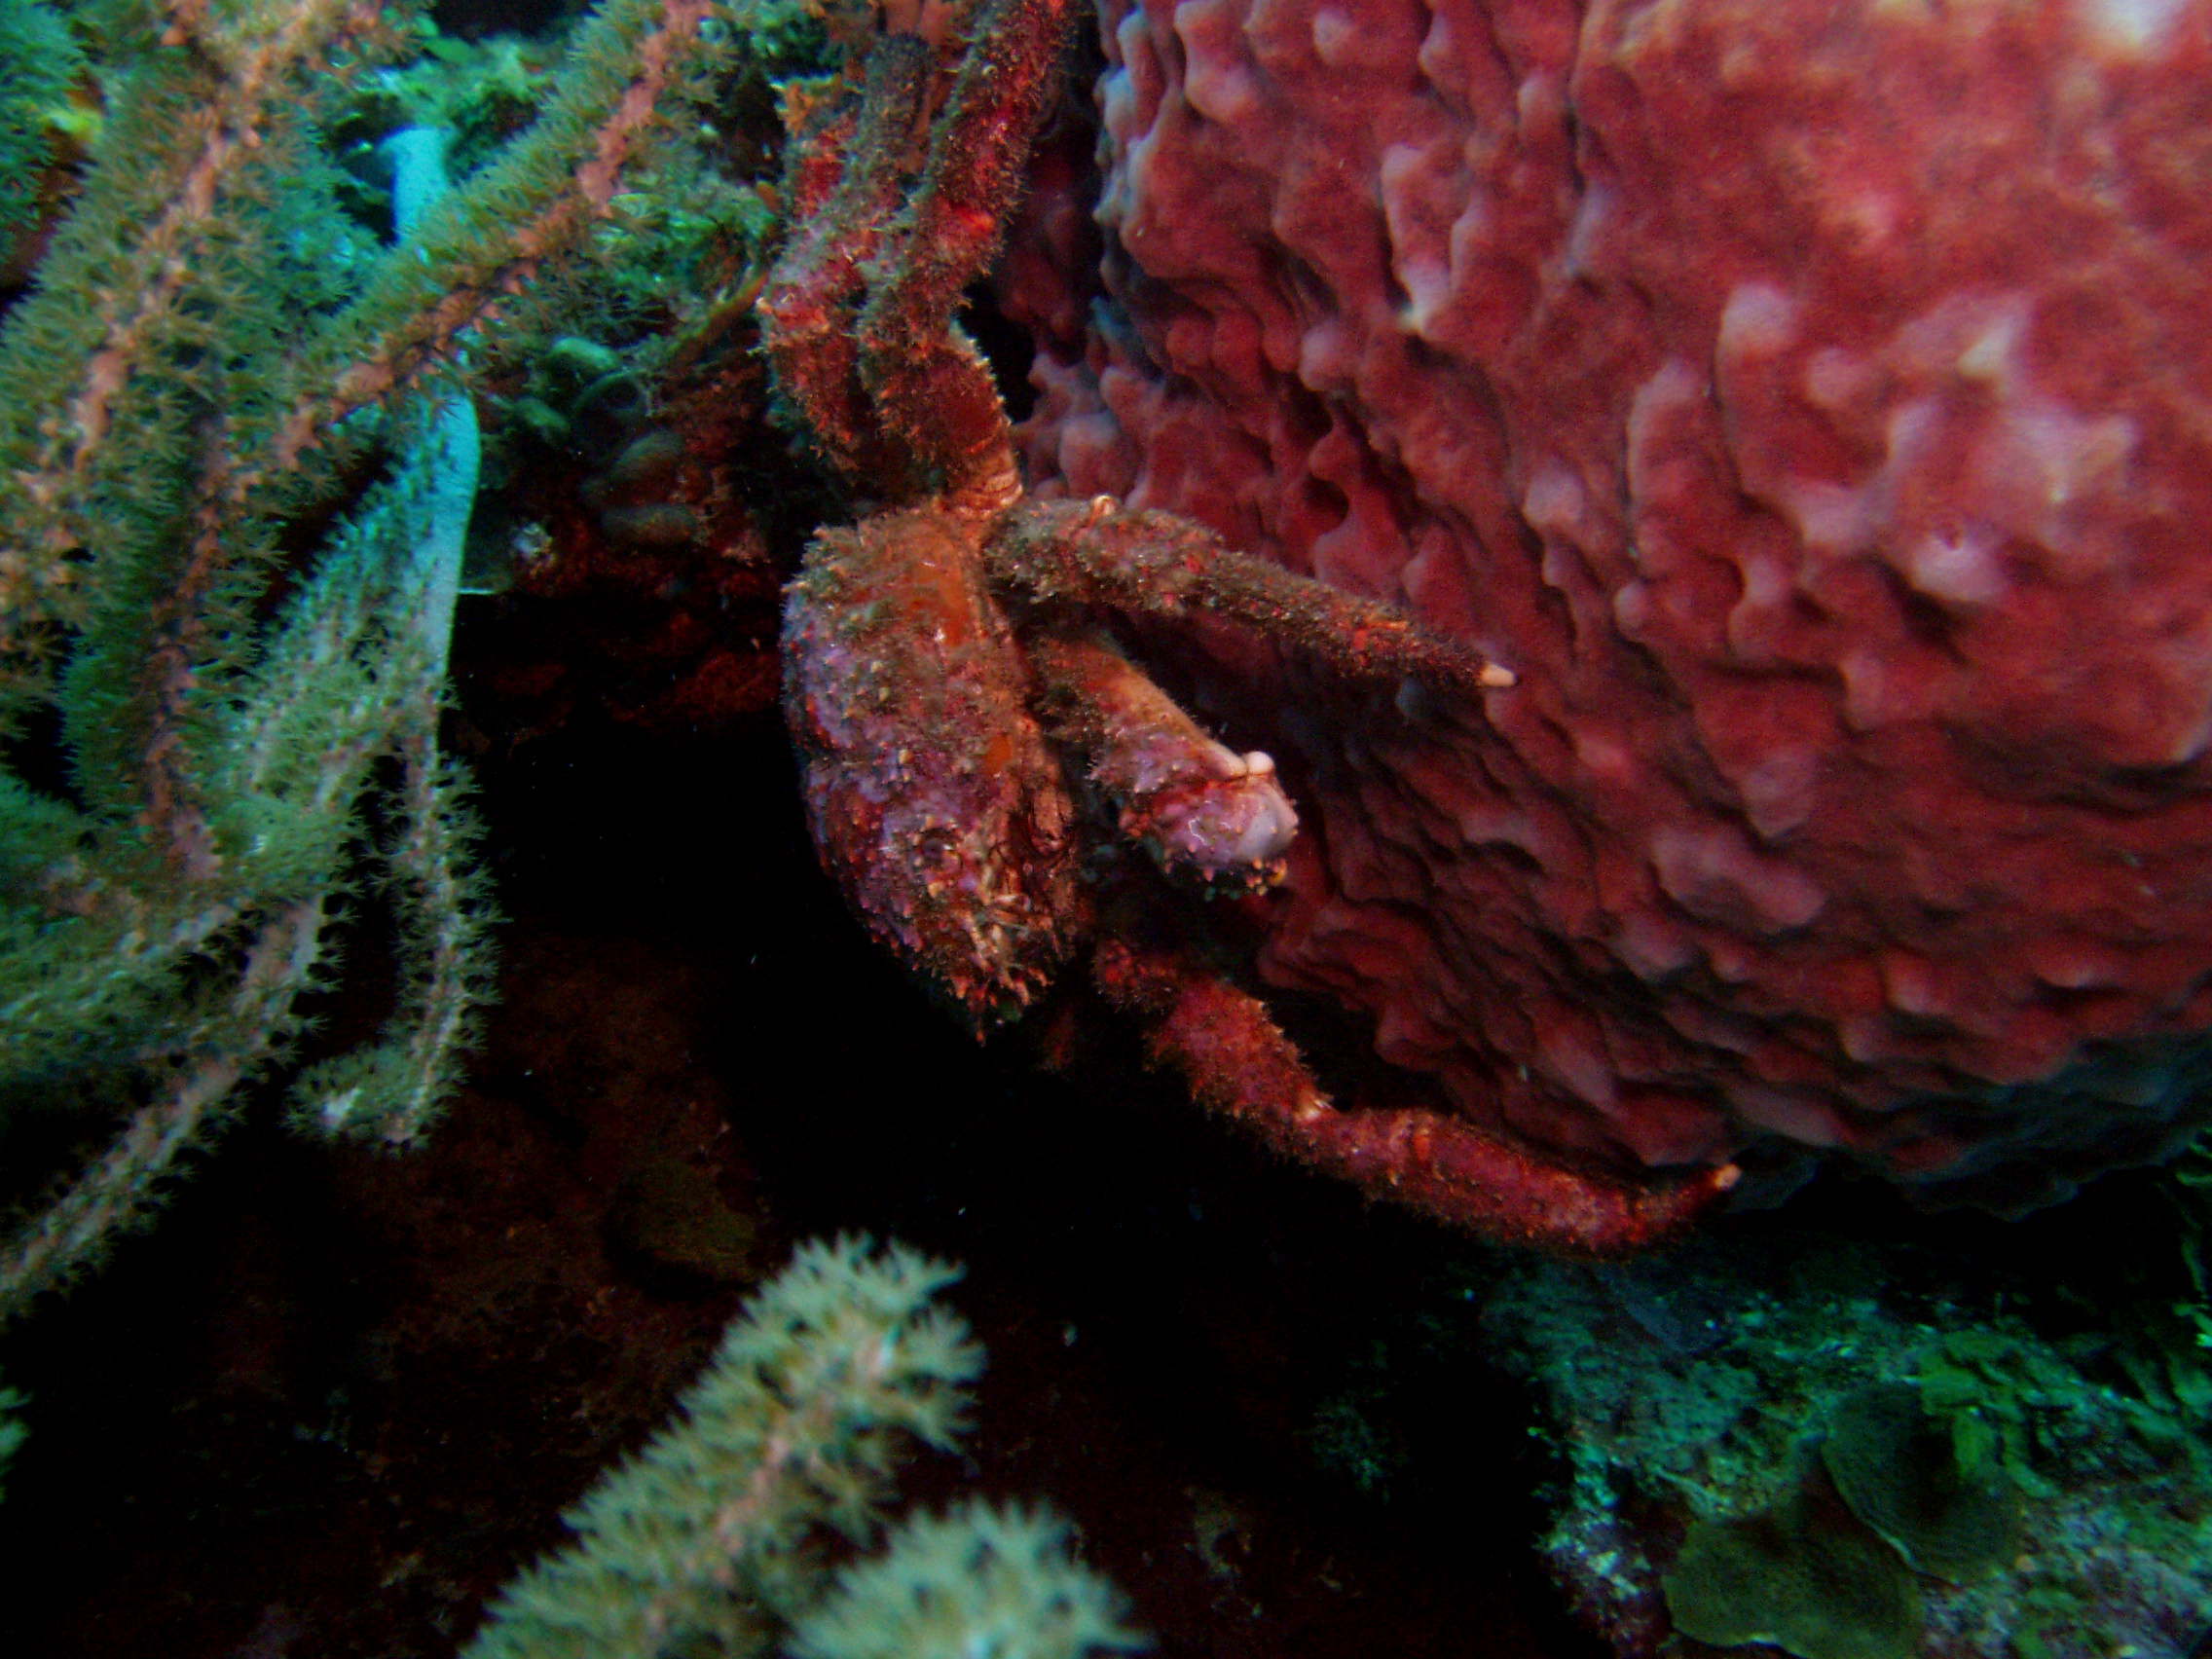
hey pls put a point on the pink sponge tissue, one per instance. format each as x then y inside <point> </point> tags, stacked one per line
<point>1811,402</point>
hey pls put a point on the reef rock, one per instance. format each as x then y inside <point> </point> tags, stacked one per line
<point>1812,402</point>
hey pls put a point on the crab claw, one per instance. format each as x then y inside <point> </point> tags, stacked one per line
<point>1200,808</point>
<point>1234,824</point>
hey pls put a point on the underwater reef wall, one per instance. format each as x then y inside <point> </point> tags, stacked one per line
<point>1811,404</point>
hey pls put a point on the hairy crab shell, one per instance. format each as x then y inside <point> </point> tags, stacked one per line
<point>936,800</point>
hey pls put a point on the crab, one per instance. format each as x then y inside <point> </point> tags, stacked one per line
<point>968,726</point>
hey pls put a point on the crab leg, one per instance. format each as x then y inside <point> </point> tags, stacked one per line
<point>854,183</point>
<point>1153,564</point>
<point>935,394</point>
<point>1239,1063</point>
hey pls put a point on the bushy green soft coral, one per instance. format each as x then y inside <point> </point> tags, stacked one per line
<point>983,1582</point>
<point>703,1541</point>
<point>705,1544</point>
<point>206,657</point>
<point>40,65</point>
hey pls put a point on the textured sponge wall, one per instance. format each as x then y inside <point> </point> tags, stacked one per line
<point>1812,402</point>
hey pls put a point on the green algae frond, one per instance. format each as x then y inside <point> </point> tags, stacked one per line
<point>1802,1576</point>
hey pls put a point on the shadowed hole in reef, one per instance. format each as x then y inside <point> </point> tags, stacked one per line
<point>1008,348</point>
<point>345,1395</point>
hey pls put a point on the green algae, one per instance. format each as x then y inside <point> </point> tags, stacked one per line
<point>1814,1583</point>
<point>1899,1470</point>
<point>2053,1498</point>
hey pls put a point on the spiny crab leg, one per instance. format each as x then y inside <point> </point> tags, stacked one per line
<point>934,393</point>
<point>847,183</point>
<point>1239,1063</point>
<point>937,803</point>
<point>1197,805</point>
<point>897,395</point>
<point>1150,563</point>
